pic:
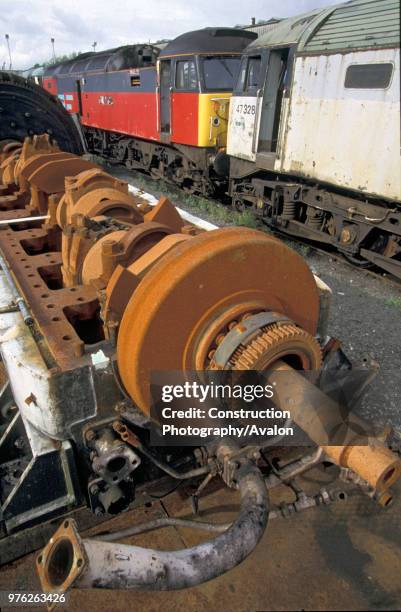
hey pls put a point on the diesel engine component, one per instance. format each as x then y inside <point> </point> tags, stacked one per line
<point>99,291</point>
<point>27,109</point>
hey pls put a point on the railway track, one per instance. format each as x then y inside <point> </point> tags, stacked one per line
<point>211,222</point>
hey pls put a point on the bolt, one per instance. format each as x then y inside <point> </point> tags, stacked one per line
<point>111,247</point>
<point>31,399</point>
<point>90,435</point>
<point>120,407</point>
<point>19,443</point>
<point>346,235</point>
<point>189,230</point>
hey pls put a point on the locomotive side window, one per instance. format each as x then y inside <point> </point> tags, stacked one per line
<point>253,79</point>
<point>368,76</point>
<point>240,86</point>
<point>220,73</point>
<point>185,76</point>
<point>136,80</point>
<point>278,75</point>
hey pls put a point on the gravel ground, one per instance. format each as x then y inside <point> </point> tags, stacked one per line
<point>365,314</point>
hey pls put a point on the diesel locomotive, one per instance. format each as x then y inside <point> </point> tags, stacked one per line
<point>166,111</point>
<point>314,130</point>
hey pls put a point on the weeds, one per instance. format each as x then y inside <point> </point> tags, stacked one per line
<point>394,301</point>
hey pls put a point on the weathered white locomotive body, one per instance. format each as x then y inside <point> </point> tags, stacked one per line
<point>318,104</point>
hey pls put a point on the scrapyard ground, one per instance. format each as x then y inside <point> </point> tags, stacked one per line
<point>345,556</point>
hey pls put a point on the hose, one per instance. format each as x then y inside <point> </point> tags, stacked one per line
<point>118,566</point>
<point>160,523</point>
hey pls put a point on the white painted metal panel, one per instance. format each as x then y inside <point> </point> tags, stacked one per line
<point>30,379</point>
<point>241,127</point>
<point>348,137</point>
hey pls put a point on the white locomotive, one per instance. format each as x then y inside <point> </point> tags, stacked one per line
<point>314,130</point>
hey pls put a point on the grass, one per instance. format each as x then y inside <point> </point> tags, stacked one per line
<point>212,210</point>
<point>394,301</point>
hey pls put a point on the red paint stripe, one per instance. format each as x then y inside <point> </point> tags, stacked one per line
<point>133,114</point>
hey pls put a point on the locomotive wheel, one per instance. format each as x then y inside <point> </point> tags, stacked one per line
<point>28,109</point>
<point>195,285</point>
<point>239,205</point>
<point>381,245</point>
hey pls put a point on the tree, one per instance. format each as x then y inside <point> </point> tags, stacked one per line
<point>61,58</point>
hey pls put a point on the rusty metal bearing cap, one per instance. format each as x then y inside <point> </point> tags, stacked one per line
<point>221,271</point>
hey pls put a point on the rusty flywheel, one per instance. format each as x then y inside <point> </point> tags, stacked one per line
<point>194,291</point>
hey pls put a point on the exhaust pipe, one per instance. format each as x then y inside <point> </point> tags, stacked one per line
<point>69,561</point>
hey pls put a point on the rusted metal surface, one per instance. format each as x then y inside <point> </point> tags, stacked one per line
<point>60,309</point>
<point>93,193</point>
<point>197,290</point>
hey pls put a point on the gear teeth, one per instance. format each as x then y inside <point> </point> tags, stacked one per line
<point>269,339</point>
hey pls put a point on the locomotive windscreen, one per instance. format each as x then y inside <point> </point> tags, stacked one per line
<point>220,73</point>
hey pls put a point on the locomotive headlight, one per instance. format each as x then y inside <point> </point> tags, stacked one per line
<point>216,122</point>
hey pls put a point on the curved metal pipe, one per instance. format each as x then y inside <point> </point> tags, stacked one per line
<point>168,521</point>
<point>69,561</point>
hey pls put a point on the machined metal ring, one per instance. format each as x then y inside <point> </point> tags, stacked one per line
<point>240,334</point>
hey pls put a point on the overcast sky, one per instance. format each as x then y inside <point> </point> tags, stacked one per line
<point>76,24</point>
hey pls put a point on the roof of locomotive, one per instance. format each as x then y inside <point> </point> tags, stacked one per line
<point>350,25</point>
<point>288,31</point>
<point>209,40</point>
<point>119,58</point>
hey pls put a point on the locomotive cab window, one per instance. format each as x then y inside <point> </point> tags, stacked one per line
<point>185,76</point>
<point>220,73</point>
<point>368,76</point>
<point>249,74</point>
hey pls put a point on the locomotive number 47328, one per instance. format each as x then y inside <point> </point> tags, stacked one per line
<point>246,109</point>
